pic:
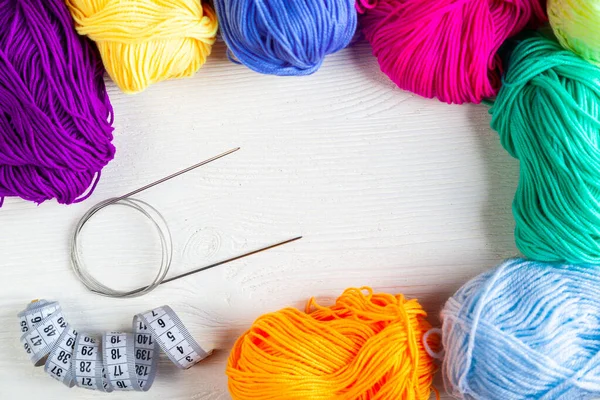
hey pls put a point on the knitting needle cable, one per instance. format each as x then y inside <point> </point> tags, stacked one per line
<point>157,221</point>
<point>161,227</point>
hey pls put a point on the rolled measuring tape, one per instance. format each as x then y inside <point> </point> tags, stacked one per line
<point>114,361</point>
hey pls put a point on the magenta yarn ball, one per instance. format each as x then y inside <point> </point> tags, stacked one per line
<point>445,48</point>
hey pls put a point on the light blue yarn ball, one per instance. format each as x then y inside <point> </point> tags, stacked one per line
<point>524,330</point>
<point>285,37</point>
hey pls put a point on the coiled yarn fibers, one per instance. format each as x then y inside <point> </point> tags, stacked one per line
<point>524,330</point>
<point>548,117</point>
<point>365,346</point>
<point>55,115</point>
<point>147,41</point>
<point>445,48</point>
<point>283,37</point>
<point>576,24</point>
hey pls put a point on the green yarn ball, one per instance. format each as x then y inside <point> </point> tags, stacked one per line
<point>576,24</point>
<point>548,116</point>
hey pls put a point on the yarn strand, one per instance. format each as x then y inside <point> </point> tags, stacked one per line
<point>55,115</point>
<point>576,24</point>
<point>143,42</point>
<point>365,346</point>
<point>445,48</point>
<point>548,116</point>
<point>524,330</point>
<point>282,37</point>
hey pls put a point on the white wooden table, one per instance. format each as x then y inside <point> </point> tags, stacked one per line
<point>389,190</point>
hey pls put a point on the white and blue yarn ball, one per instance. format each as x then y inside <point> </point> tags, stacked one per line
<point>524,330</point>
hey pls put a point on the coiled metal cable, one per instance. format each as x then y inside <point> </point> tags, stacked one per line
<point>164,234</point>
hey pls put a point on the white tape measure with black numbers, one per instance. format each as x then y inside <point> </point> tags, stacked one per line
<point>115,361</point>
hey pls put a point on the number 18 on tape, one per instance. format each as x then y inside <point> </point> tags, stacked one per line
<point>117,360</point>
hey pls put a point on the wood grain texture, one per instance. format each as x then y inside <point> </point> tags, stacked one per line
<point>389,190</point>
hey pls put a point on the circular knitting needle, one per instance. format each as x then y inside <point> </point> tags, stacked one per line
<point>152,214</point>
<point>164,235</point>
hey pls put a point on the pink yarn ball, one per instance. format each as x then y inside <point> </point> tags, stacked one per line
<point>445,48</point>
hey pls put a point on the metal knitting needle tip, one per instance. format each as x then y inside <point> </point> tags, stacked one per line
<point>195,271</point>
<point>183,171</point>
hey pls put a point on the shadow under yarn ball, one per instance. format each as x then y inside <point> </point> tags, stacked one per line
<point>524,330</point>
<point>283,37</point>
<point>147,41</point>
<point>548,117</point>
<point>445,48</point>
<point>55,115</point>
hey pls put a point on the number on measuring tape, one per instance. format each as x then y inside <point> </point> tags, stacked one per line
<point>42,326</point>
<point>118,361</point>
<point>88,364</point>
<point>173,338</point>
<point>59,362</point>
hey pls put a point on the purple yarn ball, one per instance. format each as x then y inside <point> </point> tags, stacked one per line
<point>55,115</point>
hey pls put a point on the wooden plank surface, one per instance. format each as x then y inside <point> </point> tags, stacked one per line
<point>389,190</point>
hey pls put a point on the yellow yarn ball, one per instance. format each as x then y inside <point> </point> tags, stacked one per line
<point>147,41</point>
<point>576,24</point>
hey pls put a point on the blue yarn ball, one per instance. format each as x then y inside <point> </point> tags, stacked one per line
<point>524,330</point>
<point>285,37</point>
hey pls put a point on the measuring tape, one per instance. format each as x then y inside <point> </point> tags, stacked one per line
<point>115,361</point>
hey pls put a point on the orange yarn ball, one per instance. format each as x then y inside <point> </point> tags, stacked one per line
<point>365,346</point>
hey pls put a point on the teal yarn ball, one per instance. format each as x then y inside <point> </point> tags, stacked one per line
<point>547,114</point>
<point>524,330</point>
